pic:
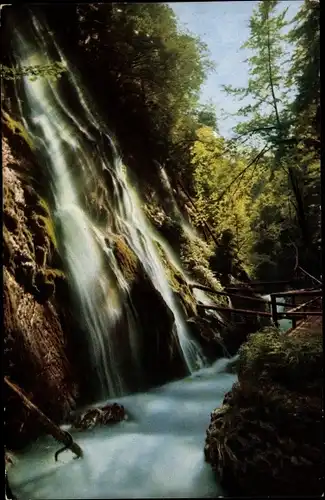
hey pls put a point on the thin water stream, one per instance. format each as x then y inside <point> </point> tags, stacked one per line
<point>157,453</point>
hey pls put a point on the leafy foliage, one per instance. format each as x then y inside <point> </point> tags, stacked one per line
<point>153,71</point>
<point>265,85</point>
<point>283,358</point>
<point>52,71</point>
<point>265,203</point>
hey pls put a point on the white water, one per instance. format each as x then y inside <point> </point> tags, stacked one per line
<point>157,453</point>
<point>100,292</point>
<point>188,229</point>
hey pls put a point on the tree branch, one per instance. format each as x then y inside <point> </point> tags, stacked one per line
<point>270,73</point>
<point>255,159</point>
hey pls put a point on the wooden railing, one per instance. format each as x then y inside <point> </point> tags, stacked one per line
<point>230,294</point>
<point>296,311</point>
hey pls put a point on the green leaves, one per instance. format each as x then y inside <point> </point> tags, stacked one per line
<point>265,86</point>
<point>51,71</point>
<point>153,67</point>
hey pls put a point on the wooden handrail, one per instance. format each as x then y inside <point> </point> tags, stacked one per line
<point>229,294</point>
<point>299,314</point>
<point>302,305</point>
<point>237,311</point>
<point>259,283</point>
<point>317,293</point>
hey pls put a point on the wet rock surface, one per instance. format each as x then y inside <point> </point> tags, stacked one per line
<point>104,415</point>
<point>35,336</point>
<point>266,438</point>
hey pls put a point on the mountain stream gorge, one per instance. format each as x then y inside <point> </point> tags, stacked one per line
<point>158,451</point>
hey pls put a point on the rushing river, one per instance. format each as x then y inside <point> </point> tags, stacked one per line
<point>157,453</point>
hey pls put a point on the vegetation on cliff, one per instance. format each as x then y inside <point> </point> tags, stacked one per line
<point>266,438</point>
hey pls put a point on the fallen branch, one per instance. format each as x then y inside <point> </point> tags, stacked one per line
<point>309,275</point>
<point>301,306</point>
<point>51,427</point>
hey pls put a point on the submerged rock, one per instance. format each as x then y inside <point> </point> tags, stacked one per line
<point>266,438</point>
<point>108,414</point>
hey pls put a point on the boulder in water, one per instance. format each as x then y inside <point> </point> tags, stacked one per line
<point>108,414</point>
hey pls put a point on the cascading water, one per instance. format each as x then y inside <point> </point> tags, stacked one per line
<point>100,290</point>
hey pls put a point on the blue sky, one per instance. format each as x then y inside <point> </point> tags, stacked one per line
<point>224,27</point>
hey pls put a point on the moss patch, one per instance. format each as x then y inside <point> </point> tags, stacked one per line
<point>178,284</point>
<point>126,258</point>
<point>295,362</point>
<point>195,255</point>
<point>16,128</point>
<point>47,223</point>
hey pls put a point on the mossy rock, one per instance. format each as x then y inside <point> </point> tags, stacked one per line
<point>178,284</point>
<point>50,230</point>
<point>195,254</point>
<point>43,226</point>
<point>39,218</point>
<point>16,128</point>
<point>125,257</point>
<point>270,426</point>
<point>292,361</point>
<point>45,281</point>
<point>173,232</point>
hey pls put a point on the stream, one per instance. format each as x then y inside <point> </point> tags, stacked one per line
<point>156,453</point>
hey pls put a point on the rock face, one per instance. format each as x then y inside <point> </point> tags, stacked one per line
<point>266,438</point>
<point>35,333</point>
<point>160,356</point>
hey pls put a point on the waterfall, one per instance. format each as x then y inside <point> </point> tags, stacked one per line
<point>78,152</point>
<point>189,230</point>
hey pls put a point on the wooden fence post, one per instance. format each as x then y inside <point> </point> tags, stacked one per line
<point>274,310</point>
<point>294,321</point>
